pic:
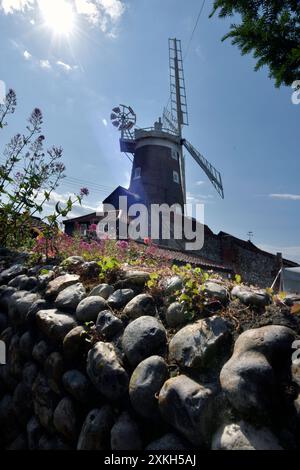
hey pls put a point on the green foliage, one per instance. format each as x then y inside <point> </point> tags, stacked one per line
<point>271,30</point>
<point>192,296</point>
<point>238,279</point>
<point>43,272</point>
<point>109,267</point>
<point>152,283</point>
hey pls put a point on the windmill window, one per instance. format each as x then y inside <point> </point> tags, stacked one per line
<point>137,173</point>
<point>175,177</point>
<point>175,155</point>
<point>83,229</point>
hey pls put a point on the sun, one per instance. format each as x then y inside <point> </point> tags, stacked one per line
<point>58,15</point>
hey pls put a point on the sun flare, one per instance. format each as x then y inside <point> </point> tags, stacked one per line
<point>58,15</point>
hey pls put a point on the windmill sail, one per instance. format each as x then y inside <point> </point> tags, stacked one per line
<point>213,174</point>
<point>168,122</point>
<point>177,84</point>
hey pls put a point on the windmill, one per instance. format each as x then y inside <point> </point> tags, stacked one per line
<point>158,170</point>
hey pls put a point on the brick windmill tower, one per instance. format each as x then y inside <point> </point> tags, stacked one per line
<point>158,163</point>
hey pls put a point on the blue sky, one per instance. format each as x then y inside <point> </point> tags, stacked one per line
<point>118,53</point>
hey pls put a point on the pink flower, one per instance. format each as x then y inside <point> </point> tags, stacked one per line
<point>84,192</point>
<point>93,227</point>
<point>123,244</point>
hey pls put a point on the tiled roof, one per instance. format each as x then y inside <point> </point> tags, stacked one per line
<point>185,257</point>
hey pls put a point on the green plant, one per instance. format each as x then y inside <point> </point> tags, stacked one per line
<point>268,28</point>
<point>44,272</point>
<point>152,283</point>
<point>109,267</point>
<point>192,296</point>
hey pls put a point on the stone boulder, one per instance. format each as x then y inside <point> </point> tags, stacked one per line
<point>77,385</point>
<point>106,372</point>
<point>41,351</point>
<point>44,279</point>
<point>8,420</point>
<point>72,263</point>
<point>54,369</point>
<point>3,322</point>
<point>108,325</point>
<point>23,282</point>
<point>251,378</point>
<point>253,297</point>
<point>89,308</point>
<point>144,337</point>
<point>13,271</point>
<point>125,434</point>
<point>34,433</point>
<point>172,284</point>
<point>44,402</point>
<point>90,269</point>
<point>48,442</point>
<point>14,357</point>
<point>69,298</point>
<point>135,278</point>
<point>29,373</point>
<point>145,384</point>
<point>175,315</point>
<point>120,298</point>
<point>95,431</point>
<point>104,290</point>
<point>201,344</point>
<point>192,409</point>
<point>54,324</point>
<point>26,344</point>
<point>243,436</point>
<point>5,297</point>
<point>40,304</point>
<point>64,419</point>
<point>19,306</point>
<point>217,291</point>
<point>22,402</point>
<point>140,305</point>
<point>75,346</point>
<point>60,283</point>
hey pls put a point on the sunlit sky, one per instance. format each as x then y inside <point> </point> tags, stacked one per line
<point>77,59</point>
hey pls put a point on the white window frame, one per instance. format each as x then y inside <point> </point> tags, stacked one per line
<point>137,173</point>
<point>176,177</point>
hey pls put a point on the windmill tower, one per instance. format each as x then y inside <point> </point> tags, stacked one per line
<point>158,163</point>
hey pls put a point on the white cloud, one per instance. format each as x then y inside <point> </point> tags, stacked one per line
<point>290,197</point>
<point>88,9</point>
<point>63,65</point>
<point>9,6</point>
<point>113,8</point>
<point>103,13</point>
<point>45,64</point>
<point>200,183</point>
<point>104,121</point>
<point>27,55</point>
